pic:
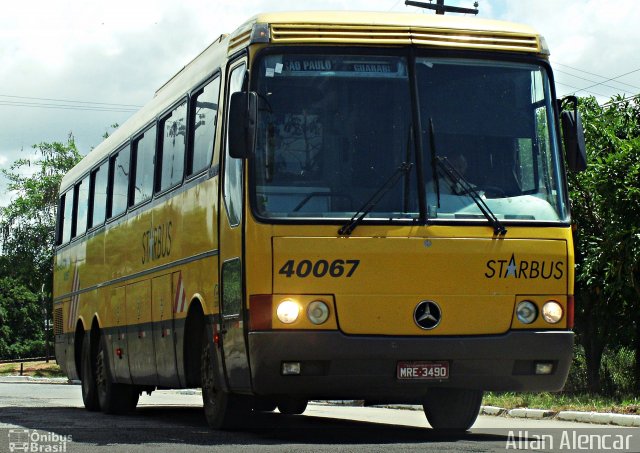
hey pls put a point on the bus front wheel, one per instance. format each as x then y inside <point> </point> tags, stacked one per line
<point>221,409</point>
<point>452,409</point>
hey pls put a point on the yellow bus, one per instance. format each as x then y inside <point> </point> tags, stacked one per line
<point>328,205</point>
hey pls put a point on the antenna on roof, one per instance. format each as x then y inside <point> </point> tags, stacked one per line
<point>441,8</point>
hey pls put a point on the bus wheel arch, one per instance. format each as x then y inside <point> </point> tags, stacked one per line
<point>77,347</point>
<point>194,327</point>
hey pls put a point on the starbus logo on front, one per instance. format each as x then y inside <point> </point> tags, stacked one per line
<point>427,314</point>
<point>37,442</point>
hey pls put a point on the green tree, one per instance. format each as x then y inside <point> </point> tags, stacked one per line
<point>606,206</point>
<point>28,222</point>
<point>28,238</point>
<point>21,321</point>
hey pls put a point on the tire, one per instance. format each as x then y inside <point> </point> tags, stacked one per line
<point>292,406</point>
<point>222,410</point>
<point>113,398</point>
<point>452,409</point>
<point>89,386</point>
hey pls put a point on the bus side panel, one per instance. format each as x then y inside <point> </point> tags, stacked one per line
<point>120,362</point>
<point>142,361</point>
<point>162,311</point>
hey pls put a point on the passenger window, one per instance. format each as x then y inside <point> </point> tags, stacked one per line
<point>173,130</point>
<point>204,118</point>
<point>144,149</point>
<point>119,181</point>
<point>99,181</point>
<point>82,197</point>
<point>67,216</point>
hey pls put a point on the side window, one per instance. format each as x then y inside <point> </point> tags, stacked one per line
<point>233,167</point>
<point>119,181</point>
<point>67,216</point>
<point>203,121</point>
<point>99,181</point>
<point>82,201</point>
<point>173,128</point>
<point>144,149</point>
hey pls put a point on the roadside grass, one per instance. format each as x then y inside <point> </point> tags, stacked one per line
<point>627,404</point>
<point>36,369</point>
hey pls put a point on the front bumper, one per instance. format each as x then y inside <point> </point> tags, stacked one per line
<point>338,366</point>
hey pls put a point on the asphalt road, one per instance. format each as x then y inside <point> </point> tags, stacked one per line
<point>50,417</point>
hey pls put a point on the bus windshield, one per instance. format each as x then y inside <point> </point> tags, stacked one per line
<point>333,129</point>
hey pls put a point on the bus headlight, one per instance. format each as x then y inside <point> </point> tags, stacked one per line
<point>527,312</point>
<point>552,312</point>
<point>288,311</point>
<point>318,312</point>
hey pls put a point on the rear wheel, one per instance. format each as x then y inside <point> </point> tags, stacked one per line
<point>452,409</point>
<point>221,409</point>
<point>89,387</point>
<point>292,406</point>
<point>113,398</point>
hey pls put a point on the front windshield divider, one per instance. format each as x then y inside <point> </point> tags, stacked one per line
<point>417,137</point>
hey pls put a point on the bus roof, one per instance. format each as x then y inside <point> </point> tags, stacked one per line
<point>339,27</point>
<point>372,18</point>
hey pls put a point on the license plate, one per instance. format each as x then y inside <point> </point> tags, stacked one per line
<point>423,370</point>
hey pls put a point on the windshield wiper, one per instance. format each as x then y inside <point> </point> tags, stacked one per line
<point>458,179</point>
<point>366,208</point>
<point>467,188</point>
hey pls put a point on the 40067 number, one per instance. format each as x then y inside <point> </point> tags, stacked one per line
<point>320,268</point>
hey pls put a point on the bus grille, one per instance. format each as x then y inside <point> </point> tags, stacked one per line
<point>435,37</point>
<point>57,321</point>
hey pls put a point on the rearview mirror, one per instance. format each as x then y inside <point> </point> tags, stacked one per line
<point>573,135</point>
<point>243,111</point>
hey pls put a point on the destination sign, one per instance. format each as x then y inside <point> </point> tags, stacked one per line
<point>307,65</point>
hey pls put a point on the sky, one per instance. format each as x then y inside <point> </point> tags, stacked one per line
<point>79,66</point>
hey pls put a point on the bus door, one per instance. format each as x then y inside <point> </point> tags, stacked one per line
<point>232,311</point>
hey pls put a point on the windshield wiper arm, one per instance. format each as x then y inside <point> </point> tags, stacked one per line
<point>459,180</point>
<point>366,208</point>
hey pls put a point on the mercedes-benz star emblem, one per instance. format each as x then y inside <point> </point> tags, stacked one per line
<point>427,314</point>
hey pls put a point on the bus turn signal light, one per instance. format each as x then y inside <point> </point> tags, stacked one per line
<point>260,308</point>
<point>570,311</point>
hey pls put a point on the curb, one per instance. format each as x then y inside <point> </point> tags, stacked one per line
<point>34,380</point>
<point>573,416</point>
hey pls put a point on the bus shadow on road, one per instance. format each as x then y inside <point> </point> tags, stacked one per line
<point>186,426</point>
